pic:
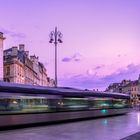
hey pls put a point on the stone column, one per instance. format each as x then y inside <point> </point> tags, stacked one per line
<point>1,56</point>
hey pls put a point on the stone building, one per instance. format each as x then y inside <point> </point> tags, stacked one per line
<point>19,67</point>
<point>43,75</point>
<point>114,87</point>
<point>118,87</point>
<point>13,70</point>
<point>131,88</point>
<point>1,56</point>
<point>36,75</point>
<point>51,82</point>
<point>135,91</point>
<point>14,65</point>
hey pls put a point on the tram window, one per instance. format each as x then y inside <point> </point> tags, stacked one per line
<point>75,104</point>
<point>34,105</point>
<point>40,104</point>
<point>55,105</point>
<point>22,105</point>
<point>99,103</point>
<point>27,105</point>
<point>120,103</point>
<point>3,104</point>
<point>9,104</point>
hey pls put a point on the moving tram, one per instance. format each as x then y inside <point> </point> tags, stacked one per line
<point>27,104</point>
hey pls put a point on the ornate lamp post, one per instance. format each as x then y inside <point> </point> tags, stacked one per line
<point>55,37</point>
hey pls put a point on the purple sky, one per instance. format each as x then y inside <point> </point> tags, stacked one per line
<point>101,37</point>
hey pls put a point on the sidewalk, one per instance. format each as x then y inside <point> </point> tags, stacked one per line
<point>135,136</point>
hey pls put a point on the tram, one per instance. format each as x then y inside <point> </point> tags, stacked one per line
<point>27,104</point>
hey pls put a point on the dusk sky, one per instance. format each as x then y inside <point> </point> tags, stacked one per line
<point>101,38</point>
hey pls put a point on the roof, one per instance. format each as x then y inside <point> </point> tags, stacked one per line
<point>63,91</point>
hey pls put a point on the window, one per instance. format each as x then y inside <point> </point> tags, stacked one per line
<point>8,70</point>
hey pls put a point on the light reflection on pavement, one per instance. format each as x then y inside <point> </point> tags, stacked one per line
<point>109,128</point>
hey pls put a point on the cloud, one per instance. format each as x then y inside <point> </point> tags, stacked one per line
<point>66,59</point>
<point>12,34</point>
<point>94,81</point>
<point>76,58</point>
<point>118,55</point>
<point>131,71</point>
<point>96,70</point>
<point>91,72</point>
<point>82,81</point>
<point>99,67</point>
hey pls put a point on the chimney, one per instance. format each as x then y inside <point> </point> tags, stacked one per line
<point>14,50</point>
<point>1,36</point>
<point>34,58</point>
<point>21,47</point>
<point>27,53</point>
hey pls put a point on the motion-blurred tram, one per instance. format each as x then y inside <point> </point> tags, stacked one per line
<point>26,104</point>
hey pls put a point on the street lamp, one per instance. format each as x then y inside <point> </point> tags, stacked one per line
<point>55,37</point>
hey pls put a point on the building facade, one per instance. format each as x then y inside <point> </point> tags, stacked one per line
<point>43,75</point>
<point>121,87</point>
<point>131,88</point>
<point>1,56</point>
<point>19,67</point>
<point>14,71</point>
